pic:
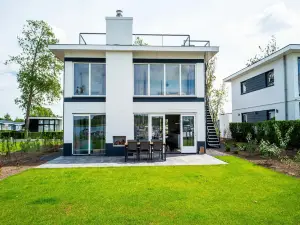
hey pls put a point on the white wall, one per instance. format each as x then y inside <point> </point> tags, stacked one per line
<point>270,97</point>
<point>224,121</point>
<point>119,94</point>
<point>119,30</point>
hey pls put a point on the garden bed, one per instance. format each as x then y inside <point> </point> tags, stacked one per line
<point>20,161</point>
<point>284,164</point>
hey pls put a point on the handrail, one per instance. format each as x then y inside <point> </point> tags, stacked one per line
<point>186,42</point>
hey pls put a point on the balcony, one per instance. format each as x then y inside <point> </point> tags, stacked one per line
<point>148,39</point>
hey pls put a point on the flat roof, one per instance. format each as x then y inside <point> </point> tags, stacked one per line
<point>45,118</point>
<point>291,48</point>
<point>59,49</point>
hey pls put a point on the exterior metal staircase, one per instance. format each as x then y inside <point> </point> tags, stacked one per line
<point>212,139</point>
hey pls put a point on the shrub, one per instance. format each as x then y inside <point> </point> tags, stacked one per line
<point>227,146</point>
<point>32,135</point>
<point>265,130</point>
<point>241,146</point>
<point>297,157</point>
<point>269,150</point>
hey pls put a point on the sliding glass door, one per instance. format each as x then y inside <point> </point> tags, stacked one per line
<point>157,127</point>
<point>89,134</point>
<point>81,135</point>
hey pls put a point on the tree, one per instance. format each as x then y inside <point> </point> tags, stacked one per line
<point>216,102</point>
<point>7,117</point>
<point>39,72</point>
<point>264,52</point>
<point>41,111</point>
<point>19,119</point>
<point>215,97</point>
<point>139,41</point>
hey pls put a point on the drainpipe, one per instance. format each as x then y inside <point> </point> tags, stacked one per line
<point>285,87</point>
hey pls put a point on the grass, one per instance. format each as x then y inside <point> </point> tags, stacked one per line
<point>237,193</point>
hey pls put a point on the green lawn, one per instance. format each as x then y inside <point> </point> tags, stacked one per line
<point>237,193</point>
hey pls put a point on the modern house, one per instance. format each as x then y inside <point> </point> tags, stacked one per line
<point>268,89</point>
<point>119,90</point>
<point>10,125</point>
<point>45,124</point>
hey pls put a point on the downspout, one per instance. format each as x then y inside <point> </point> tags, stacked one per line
<point>285,87</point>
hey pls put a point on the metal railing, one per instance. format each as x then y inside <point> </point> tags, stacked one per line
<point>158,39</point>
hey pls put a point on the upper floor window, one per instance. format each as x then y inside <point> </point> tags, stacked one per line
<point>258,82</point>
<point>164,79</point>
<point>89,79</point>
<point>270,78</point>
<point>271,114</point>
<point>244,118</point>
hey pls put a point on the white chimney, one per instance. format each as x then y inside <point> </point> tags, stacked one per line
<point>119,29</point>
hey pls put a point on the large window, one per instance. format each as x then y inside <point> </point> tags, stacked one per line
<point>187,79</point>
<point>141,127</point>
<point>89,79</point>
<point>141,79</point>
<point>258,82</point>
<point>47,125</point>
<point>156,79</point>
<point>164,79</point>
<point>89,134</point>
<point>172,79</point>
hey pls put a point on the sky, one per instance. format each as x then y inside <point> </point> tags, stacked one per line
<point>237,26</point>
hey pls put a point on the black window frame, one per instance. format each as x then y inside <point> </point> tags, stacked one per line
<point>266,84</point>
<point>271,110</point>
<point>242,90</point>
<point>47,124</point>
<point>244,114</point>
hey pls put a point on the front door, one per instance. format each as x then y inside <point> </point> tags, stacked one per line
<point>157,127</point>
<point>188,134</point>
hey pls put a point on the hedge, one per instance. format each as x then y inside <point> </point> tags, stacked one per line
<point>32,135</point>
<point>265,130</point>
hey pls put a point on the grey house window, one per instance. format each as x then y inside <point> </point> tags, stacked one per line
<point>271,114</point>
<point>244,117</point>
<point>270,78</point>
<point>258,82</point>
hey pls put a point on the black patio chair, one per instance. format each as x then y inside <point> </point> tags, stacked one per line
<point>131,149</point>
<point>145,148</point>
<point>157,147</point>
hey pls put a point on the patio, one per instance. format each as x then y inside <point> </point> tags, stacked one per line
<point>115,161</point>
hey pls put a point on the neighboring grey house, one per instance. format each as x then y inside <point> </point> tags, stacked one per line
<point>116,91</point>
<point>268,89</point>
<point>10,125</point>
<point>45,124</point>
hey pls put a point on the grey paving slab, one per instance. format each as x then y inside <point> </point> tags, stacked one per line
<point>107,161</point>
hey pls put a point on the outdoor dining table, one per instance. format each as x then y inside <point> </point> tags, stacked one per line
<point>163,155</point>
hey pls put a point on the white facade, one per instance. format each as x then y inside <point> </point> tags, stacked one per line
<point>283,99</point>
<point>224,121</point>
<point>119,104</point>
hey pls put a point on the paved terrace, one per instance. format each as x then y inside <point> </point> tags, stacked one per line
<point>107,161</point>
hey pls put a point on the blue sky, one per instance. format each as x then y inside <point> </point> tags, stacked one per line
<point>238,27</point>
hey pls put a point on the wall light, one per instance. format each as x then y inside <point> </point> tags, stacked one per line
<point>239,114</point>
<point>277,111</point>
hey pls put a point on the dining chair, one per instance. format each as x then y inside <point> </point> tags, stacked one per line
<point>145,148</point>
<point>131,149</point>
<point>157,147</point>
